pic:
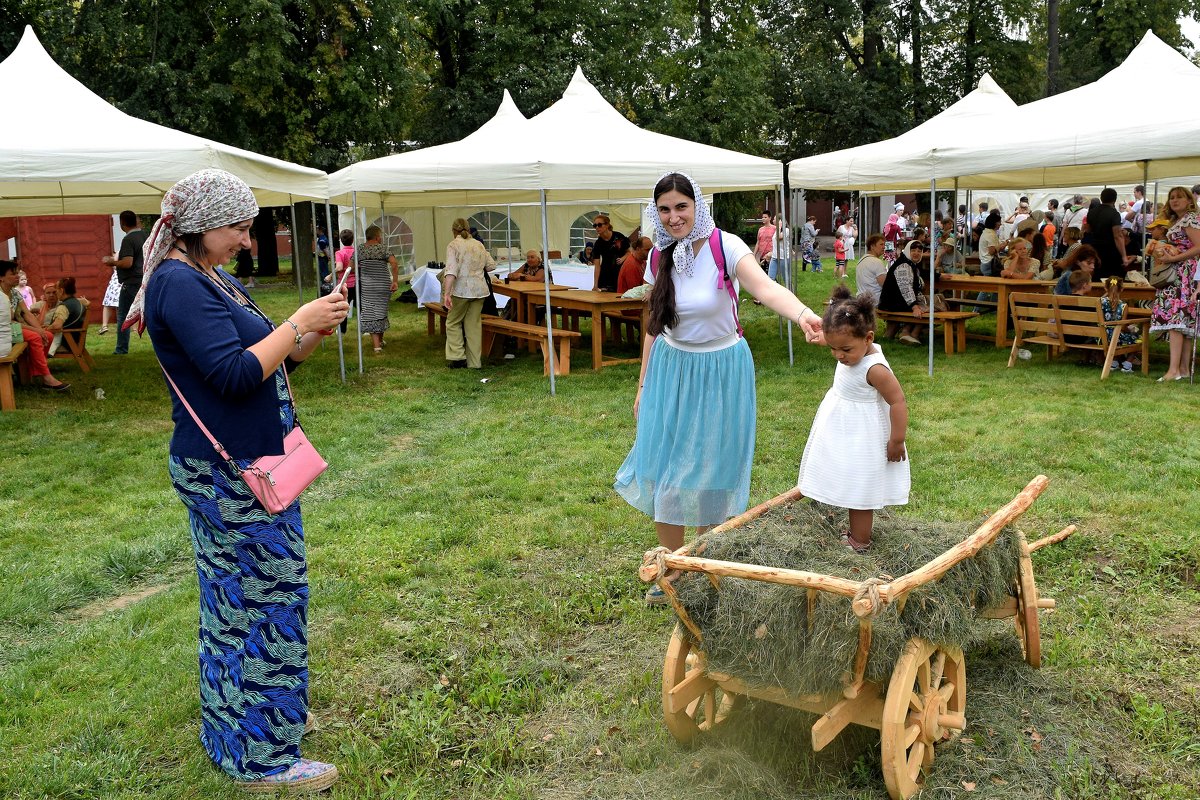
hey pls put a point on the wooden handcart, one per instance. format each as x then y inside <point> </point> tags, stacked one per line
<point>923,703</point>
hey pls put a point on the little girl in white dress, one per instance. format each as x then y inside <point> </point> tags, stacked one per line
<point>855,457</point>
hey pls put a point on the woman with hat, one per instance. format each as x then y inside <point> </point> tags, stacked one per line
<point>227,359</point>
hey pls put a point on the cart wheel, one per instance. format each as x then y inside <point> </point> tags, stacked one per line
<point>925,702</point>
<point>705,712</point>
<point>1028,627</point>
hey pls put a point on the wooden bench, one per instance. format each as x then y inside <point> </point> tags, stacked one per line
<point>1050,318</point>
<point>622,327</point>
<point>952,323</point>
<point>436,310</point>
<point>8,399</point>
<point>74,345</point>
<point>495,328</point>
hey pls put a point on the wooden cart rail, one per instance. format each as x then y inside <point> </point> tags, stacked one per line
<point>870,596</point>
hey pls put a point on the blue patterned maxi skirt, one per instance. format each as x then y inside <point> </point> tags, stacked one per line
<point>253,621</point>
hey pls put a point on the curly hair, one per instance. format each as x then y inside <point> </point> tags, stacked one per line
<point>848,313</point>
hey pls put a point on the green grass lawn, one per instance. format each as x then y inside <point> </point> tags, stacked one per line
<point>476,623</point>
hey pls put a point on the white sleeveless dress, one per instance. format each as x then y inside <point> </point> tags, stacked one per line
<point>845,461</point>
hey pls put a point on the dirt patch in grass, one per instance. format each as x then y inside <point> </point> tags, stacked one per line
<point>99,608</point>
<point>402,443</point>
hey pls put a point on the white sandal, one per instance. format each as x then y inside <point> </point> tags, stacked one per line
<point>303,777</point>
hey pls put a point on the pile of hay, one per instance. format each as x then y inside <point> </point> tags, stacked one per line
<point>760,632</point>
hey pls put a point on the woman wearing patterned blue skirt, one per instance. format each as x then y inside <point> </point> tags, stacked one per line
<point>227,360</point>
<point>695,406</point>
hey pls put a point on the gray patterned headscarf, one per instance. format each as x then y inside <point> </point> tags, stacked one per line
<point>684,257</point>
<point>210,198</point>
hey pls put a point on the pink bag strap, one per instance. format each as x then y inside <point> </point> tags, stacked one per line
<point>204,429</point>
<point>717,248</point>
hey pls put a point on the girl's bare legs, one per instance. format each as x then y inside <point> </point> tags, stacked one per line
<point>861,524</point>
<point>377,340</point>
<point>106,314</point>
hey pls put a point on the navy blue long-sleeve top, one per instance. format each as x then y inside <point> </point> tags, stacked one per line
<point>201,337</point>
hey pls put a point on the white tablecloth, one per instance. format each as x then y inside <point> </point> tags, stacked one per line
<point>427,285</point>
<point>565,273</point>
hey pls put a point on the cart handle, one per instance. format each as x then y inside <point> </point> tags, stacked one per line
<point>868,600</point>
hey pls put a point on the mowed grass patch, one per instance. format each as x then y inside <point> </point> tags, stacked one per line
<point>476,623</point>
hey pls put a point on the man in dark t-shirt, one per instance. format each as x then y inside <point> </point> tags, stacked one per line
<point>607,254</point>
<point>1104,223</point>
<point>128,266</point>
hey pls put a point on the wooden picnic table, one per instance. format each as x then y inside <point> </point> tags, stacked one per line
<point>1001,287</point>
<point>519,292</point>
<point>596,303</point>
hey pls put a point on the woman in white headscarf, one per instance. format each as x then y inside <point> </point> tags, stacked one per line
<point>228,360</point>
<point>695,405</point>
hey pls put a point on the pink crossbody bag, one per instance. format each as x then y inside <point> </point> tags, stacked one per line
<point>276,481</point>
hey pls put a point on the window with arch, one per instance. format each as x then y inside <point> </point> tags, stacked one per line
<point>582,232</point>
<point>398,239</point>
<point>496,229</point>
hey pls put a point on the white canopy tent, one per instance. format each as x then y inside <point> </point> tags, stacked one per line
<point>68,151</point>
<point>905,162</point>
<point>1073,138</point>
<point>580,149</point>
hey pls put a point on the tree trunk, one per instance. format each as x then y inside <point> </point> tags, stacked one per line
<point>303,263</point>
<point>918,78</point>
<point>872,34</point>
<point>969,44</point>
<point>1052,50</point>
<point>268,250</point>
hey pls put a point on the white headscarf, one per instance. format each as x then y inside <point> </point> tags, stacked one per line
<point>684,257</point>
<point>210,198</point>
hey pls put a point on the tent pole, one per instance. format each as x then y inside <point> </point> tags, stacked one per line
<point>508,235</point>
<point>357,288</point>
<point>1142,221</point>
<point>775,244</point>
<point>333,266</point>
<point>932,261</point>
<point>316,256</point>
<point>597,330</point>
<point>787,278</point>
<point>1146,264</point>
<point>295,254</point>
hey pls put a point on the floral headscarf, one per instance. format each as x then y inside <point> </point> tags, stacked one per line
<point>210,198</point>
<point>684,257</point>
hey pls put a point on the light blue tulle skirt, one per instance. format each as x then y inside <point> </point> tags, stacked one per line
<point>690,463</point>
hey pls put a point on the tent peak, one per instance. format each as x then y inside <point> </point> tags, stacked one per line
<point>508,107</point>
<point>988,84</point>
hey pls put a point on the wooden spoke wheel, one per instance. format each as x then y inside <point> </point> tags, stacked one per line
<point>1028,627</point>
<point>692,702</point>
<point>925,705</point>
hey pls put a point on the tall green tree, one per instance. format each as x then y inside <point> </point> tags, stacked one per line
<point>1097,35</point>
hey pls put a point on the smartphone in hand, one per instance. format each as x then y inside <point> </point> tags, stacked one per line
<point>341,287</point>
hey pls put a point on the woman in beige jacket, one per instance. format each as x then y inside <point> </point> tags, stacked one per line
<point>464,288</point>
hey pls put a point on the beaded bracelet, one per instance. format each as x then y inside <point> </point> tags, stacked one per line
<point>296,328</point>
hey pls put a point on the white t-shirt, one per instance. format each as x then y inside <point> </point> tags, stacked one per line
<point>778,244</point>
<point>866,276</point>
<point>704,307</point>
<point>989,238</point>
